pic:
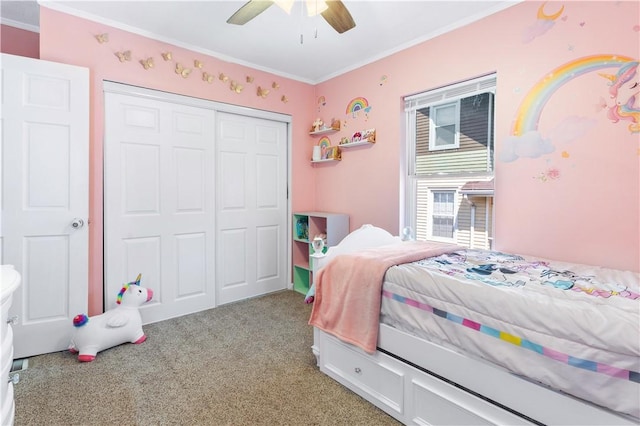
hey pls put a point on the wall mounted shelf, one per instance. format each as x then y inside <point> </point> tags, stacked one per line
<point>324,132</point>
<point>354,144</point>
<point>328,160</point>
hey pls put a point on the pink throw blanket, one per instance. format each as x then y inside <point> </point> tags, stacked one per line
<point>349,289</point>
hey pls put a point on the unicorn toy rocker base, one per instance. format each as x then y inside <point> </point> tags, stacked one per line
<point>116,326</point>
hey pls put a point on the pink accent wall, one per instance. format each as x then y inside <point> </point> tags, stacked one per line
<point>16,41</point>
<point>587,212</point>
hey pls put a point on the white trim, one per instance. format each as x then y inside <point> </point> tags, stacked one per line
<point>135,30</point>
<point>459,24</point>
<point>20,25</point>
<point>422,39</point>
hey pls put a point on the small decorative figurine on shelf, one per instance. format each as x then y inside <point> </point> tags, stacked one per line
<point>317,125</point>
<point>317,244</point>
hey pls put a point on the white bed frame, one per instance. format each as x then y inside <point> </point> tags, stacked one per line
<point>419,382</point>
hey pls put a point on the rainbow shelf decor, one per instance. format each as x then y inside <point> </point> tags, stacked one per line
<point>358,104</point>
<point>324,142</point>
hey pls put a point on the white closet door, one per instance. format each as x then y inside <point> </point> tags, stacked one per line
<point>45,191</point>
<point>251,206</point>
<point>159,203</point>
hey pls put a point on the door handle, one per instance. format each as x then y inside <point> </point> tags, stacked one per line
<point>77,223</point>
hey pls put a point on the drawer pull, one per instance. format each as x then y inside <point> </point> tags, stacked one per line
<point>12,320</point>
<point>357,370</point>
<point>14,378</point>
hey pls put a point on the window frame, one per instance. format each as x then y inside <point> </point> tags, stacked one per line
<point>409,179</point>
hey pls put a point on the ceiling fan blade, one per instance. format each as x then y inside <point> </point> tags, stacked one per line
<point>338,16</point>
<point>249,11</point>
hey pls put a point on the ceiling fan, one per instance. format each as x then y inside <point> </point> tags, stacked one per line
<point>333,11</point>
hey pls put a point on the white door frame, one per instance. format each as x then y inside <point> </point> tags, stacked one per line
<point>115,87</point>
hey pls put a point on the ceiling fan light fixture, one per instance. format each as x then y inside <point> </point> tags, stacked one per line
<point>316,7</point>
<point>285,5</point>
<point>333,11</point>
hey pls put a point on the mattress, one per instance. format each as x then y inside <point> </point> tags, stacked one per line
<point>574,328</point>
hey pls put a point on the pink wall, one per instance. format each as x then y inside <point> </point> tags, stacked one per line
<point>579,202</point>
<point>589,211</point>
<point>16,41</point>
<point>71,40</point>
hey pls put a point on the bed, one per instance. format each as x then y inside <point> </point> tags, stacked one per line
<point>440,334</point>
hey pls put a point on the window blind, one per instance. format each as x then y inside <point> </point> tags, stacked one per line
<point>460,90</point>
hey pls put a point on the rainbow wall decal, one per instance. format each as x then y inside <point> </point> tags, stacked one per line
<point>532,105</point>
<point>525,140</point>
<point>356,105</point>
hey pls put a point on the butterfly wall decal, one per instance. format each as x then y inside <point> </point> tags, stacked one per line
<point>124,56</point>
<point>236,87</point>
<point>184,72</point>
<point>262,92</point>
<point>167,56</point>
<point>284,99</point>
<point>275,85</point>
<point>102,38</point>
<point>207,77</point>
<point>223,78</point>
<point>249,79</point>
<point>147,63</point>
<point>197,64</point>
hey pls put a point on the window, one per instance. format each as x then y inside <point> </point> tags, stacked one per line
<point>442,217</point>
<point>450,143</point>
<point>443,129</point>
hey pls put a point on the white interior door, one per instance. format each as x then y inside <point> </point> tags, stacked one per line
<point>159,201</point>
<point>251,206</point>
<point>45,157</point>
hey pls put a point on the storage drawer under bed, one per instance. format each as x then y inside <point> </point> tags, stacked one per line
<point>362,374</point>
<point>405,392</point>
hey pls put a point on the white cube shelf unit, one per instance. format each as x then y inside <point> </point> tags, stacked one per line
<point>306,225</point>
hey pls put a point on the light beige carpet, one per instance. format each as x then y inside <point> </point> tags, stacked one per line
<point>247,363</point>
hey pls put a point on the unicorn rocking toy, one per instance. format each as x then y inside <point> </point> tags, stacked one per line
<point>116,326</point>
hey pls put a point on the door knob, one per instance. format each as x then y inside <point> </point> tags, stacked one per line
<point>77,223</point>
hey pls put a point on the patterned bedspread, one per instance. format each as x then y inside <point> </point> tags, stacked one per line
<point>569,326</point>
<point>500,269</point>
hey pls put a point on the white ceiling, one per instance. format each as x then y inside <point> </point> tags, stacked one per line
<point>272,41</point>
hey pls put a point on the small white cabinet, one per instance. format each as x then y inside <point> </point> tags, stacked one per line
<point>10,280</point>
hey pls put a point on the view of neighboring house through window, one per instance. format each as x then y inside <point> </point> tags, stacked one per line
<point>443,210</point>
<point>449,181</point>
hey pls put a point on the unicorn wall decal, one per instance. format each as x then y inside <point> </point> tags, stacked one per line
<point>624,89</point>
